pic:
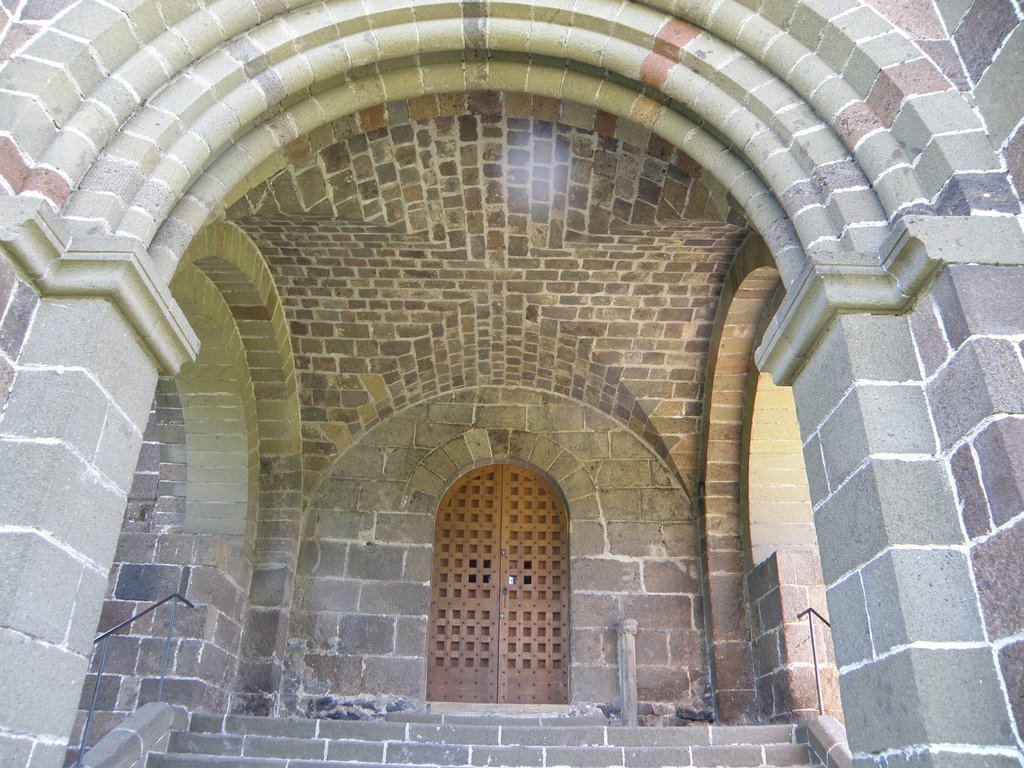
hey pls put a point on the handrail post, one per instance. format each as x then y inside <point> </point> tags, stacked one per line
<point>810,613</point>
<point>167,653</point>
<point>814,658</point>
<point>92,706</point>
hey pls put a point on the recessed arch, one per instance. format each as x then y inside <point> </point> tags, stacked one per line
<point>373,518</point>
<point>219,408</point>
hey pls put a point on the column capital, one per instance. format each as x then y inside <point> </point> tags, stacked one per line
<point>916,249</point>
<point>59,264</point>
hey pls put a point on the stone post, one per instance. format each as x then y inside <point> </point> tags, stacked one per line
<point>627,670</point>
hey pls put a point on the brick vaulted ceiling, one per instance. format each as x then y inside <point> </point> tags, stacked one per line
<point>494,239</point>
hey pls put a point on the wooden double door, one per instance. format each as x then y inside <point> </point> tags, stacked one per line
<point>499,598</point>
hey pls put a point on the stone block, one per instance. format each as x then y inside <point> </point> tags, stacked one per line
<point>851,636</point>
<point>394,598</point>
<point>500,417</point>
<point>508,756</point>
<point>332,557</point>
<point>973,504</point>
<point>38,677</point>
<point>920,595</point>
<point>343,525</point>
<point>587,538</point>
<point>47,486</point>
<point>600,575</point>
<point>983,378</point>
<point>339,674</point>
<point>38,586</point>
<point>401,528</point>
<point>147,582</point>
<point>64,405</point>
<point>873,420</point>
<point>873,511</point>
<point>418,564</point>
<point>356,751</point>
<point>1011,663</point>
<point>411,636</point>
<point>735,756</point>
<point>427,754</point>
<point>378,562</point>
<point>334,595</point>
<point>594,647</point>
<point>381,496</point>
<point>284,747</point>
<point>362,461</point>
<point>999,88</point>
<point>401,463</point>
<point>92,334</point>
<point>366,634</point>
<point>660,611</point>
<point>675,576</point>
<point>584,757</point>
<point>967,758</point>
<point>659,540</point>
<point>920,695</point>
<point>929,337</point>
<point>350,730</point>
<point>1000,580</point>
<point>873,347</point>
<point>624,474</point>
<point>1000,449</point>
<point>979,300</point>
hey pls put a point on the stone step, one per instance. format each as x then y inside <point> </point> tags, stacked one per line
<point>253,741</point>
<point>484,729</point>
<point>496,718</point>
<point>406,756</point>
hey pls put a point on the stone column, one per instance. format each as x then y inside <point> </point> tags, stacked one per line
<point>916,666</point>
<point>69,441</point>
<point>80,357</point>
<point>627,670</point>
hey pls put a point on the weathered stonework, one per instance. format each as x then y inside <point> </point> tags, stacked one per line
<point>359,629</point>
<point>525,196</point>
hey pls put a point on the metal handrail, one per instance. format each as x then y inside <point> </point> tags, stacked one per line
<point>105,639</point>
<point>810,613</point>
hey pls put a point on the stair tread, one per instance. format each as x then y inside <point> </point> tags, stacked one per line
<point>255,742</point>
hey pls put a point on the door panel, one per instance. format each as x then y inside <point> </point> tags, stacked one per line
<point>533,594</point>
<point>465,594</point>
<point>499,610</point>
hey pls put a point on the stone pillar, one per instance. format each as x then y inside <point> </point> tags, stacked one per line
<point>69,441</point>
<point>82,334</point>
<point>916,666</point>
<point>627,670</point>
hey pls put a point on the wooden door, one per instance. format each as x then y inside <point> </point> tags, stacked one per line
<point>499,604</point>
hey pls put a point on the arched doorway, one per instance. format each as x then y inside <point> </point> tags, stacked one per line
<point>499,590</point>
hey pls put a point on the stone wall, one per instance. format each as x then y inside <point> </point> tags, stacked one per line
<point>154,559</point>
<point>778,589</point>
<point>359,628</point>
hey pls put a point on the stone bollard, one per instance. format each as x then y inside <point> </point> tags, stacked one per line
<point>627,670</point>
